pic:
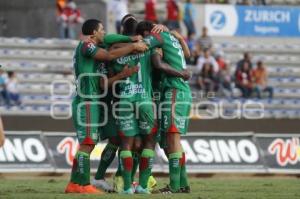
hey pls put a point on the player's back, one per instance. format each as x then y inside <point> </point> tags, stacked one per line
<point>172,55</point>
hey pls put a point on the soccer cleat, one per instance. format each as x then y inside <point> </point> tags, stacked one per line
<point>128,191</point>
<point>186,189</point>
<point>151,183</point>
<point>118,184</point>
<point>90,189</point>
<point>168,190</point>
<point>140,190</point>
<point>73,188</point>
<point>102,184</point>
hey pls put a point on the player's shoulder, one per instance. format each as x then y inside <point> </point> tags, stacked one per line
<point>158,36</point>
<point>88,47</point>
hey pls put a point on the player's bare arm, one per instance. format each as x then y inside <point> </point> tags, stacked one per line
<point>158,64</point>
<point>105,55</point>
<point>126,72</point>
<point>158,28</point>
<point>185,48</point>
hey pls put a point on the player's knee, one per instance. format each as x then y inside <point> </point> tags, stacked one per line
<point>87,148</point>
<point>137,146</point>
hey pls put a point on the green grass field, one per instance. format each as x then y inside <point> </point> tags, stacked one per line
<point>202,188</point>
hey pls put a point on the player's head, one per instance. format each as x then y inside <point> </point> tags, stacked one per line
<point>128,24</point>
<point>94,29</point>
<point>144,28</point>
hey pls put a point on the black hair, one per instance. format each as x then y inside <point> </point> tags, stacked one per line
<point>129,24</point>
<point>89,26</point>
<point>10,73</point>
<point>144,26</point>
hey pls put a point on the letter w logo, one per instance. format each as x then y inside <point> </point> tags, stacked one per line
<point>68,146</point>
<point>285,151</point>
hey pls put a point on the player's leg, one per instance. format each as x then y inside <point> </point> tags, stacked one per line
<point>136,154</point>
<point>107,158</point>
<point>128,130</point>
<point>175,124</point>
<point>148,129</point>
<point>126,162</point>
<point>107,131</point>
<point>85,117</point>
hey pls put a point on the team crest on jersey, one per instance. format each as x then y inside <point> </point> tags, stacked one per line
<point>101,68</point>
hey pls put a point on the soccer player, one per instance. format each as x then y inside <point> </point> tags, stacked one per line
<point>85,105</point>
<point>137,115</point>
<point>175,106</point>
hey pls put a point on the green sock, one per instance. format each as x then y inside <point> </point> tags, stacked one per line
<point>146,164</point>
<point>136,161</point>
<point>174,169</point>
<point>74,172</point>
<point>107,157</point>
<point>83,168</point>
<point>126,166</point>
<point>119,170</point>
<point>183,175</point>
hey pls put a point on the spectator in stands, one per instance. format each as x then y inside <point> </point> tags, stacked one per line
<point>2,136</point>
<point>173,15</point>
<point>3,92</point>
<point>69,18</point>
<point>118,9</point>
<point>188,18</point>
<point>243,80</point>
<point>224,76</point>
<point>247,58</point>
<point>207,78</point>
<point>205,41</point>
<point>150,11</point>
<point>207,58</point>
<point>260,76</point>
<point>12,89</point>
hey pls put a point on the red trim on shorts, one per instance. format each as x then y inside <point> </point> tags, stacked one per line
<point>88,140</point>
<point>88,119</point>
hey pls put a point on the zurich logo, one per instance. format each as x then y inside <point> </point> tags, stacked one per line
<point>218,20</point>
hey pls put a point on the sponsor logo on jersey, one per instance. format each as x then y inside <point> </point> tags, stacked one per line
<point>126,59</point>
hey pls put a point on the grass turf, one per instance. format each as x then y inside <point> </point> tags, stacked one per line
<point>202,188</point>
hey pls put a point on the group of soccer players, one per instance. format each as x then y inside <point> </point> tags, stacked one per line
<point>132,89</point>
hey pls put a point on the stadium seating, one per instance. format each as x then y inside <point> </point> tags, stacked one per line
<point>42,64</point>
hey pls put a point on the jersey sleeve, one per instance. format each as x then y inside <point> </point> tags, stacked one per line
<point>154,40</point>
<point>89,49</point>
<point>116,38</point>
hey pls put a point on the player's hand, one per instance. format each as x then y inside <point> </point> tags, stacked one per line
<point>159,51</point>
<point>176,34</point>
<point>136,38</point>
<point>140,46</point>
<point>158,28</point>
<point>187,74</point>
<point>127,72</point>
